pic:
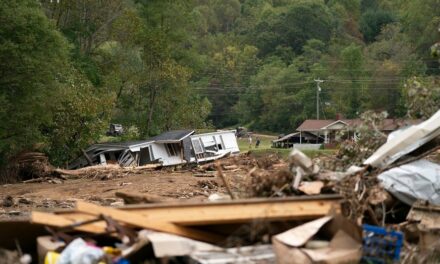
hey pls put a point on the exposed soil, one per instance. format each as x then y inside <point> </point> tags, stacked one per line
<point>176,185</point>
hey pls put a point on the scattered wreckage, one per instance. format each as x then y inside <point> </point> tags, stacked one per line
<point>307,215</point>
<point>167,149</point>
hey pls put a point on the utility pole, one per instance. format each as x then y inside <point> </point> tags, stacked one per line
<point>318,90</point>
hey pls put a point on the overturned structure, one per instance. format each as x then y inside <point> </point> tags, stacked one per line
<point>167,149</point>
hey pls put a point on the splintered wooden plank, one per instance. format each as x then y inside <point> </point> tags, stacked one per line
<point>61,221</point>
<point>138,220</point>
<point>237,211</point>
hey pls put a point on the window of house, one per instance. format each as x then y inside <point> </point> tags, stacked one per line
<point>172,149</point>
<point>197,146</point>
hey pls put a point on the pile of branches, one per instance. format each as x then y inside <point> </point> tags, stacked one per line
<point>370,138</point>
<point>27,166</point>
<point>360,192</point>
<point>268,183</point>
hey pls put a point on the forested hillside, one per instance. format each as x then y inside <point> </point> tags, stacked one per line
<point>70,67</point>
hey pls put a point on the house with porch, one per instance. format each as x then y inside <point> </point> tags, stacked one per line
<point>329,128</point>
<point>292,139</point>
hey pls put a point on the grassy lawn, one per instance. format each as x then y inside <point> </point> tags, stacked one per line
<point>265,148</point>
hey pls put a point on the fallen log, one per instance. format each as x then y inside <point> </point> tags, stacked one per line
<point>105,168</point>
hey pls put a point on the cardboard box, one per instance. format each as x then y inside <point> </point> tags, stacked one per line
<point>345,242</point>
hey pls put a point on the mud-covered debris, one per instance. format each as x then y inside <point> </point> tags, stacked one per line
<point>267,162</point>
<point>311,187</point>
<point>133,198</point>
<point>9,256</point>
<point>15,213</point>
<point>208,184</point>
<point>23,200</point>
<point>263,183</point>
<point>8,201</point>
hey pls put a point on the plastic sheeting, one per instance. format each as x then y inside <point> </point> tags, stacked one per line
<point>405,141</point>
<point>418,180</point>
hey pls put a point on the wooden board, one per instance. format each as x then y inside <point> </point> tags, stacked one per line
<point>61,221</point>
<point>139,220</point>
<point>237,211</point>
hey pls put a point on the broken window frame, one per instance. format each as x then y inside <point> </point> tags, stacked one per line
<point>173,149</point>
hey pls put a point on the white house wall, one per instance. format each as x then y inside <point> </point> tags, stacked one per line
<point>230,142</point>
<point>160,152</point>
<point>226,138</point>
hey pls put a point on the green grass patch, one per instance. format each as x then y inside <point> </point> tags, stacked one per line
<point>105,139</point>
<point>265,148</point>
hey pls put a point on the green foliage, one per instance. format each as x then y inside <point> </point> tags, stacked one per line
<point>422,97</point>
<point>80,117</point>
<point>85,23</point>
<point>71,67</point>
<point>420,21</point>
<point>372,22</point>
<point>392,56</point>
<point>353,61</point>
<point>33,56</point>
<point>130,133</point>
<point>369,140</point>
<point>293,26</point>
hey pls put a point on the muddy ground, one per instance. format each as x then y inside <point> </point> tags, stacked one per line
<point>17,200</point>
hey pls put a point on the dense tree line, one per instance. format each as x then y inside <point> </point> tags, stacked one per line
<point>68,68</point>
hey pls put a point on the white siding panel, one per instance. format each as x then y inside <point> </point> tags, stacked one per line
<point>160,152</point>
<point>230,142</point>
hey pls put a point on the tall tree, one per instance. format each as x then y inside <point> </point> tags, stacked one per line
<point>33,56</point>
<point>294,25</point>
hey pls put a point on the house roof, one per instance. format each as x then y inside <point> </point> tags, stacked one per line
<point>314,124</point>
<point>119,145</point>
<point>215,133</point>
<point>285,137</point>
<point>173,136</point>
<point>388,124</point>
<point>295,134</point>
<point>346,123</point>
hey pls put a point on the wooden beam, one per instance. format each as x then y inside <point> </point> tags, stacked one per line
<point>223,214</point>
<point>237,211</point>
<point>61,221</point>
<point>138,220</point>
<point>89,160</point>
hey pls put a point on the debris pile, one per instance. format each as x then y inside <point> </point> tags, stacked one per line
<point>28,166</point>
<point>106,172</point>
<point>90,233</point>
<point>369,140</point>
<point>382,207</point>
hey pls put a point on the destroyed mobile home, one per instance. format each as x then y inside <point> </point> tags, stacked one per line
<point>308,214</point>
<point>167,149</point>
